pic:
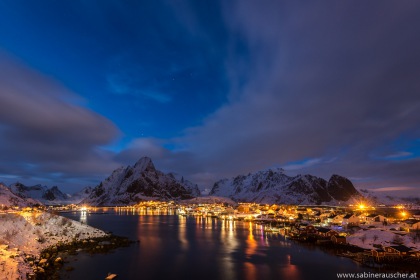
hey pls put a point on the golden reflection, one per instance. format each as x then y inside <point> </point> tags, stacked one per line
<point>150,243</point>
<point>231,244</point>
<point>251,243</point>
<point>251,249</point>
<point>182,233</point>
<point>250,271</point>
<point>290,271</point>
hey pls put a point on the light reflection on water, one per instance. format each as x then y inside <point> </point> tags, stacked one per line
<point>83,217</point>
<point>197,247</point>
<point>231,244</point>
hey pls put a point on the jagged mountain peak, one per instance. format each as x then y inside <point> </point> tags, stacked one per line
<point>144,164</point>
<point>129,185</point>
<point>341,188</point>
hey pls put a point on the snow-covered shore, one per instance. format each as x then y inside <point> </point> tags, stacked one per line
<point>26,234</point>
<point>368,237</point>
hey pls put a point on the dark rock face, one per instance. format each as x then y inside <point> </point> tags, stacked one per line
<point>54,194</point>
<point>142,181</point>
<point>23,191</point>
<point>312,187</point>
<point>340,188</point>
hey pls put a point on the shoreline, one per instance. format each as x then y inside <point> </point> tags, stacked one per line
<point>26,237</point>
<point>360,256</point>
<point>52,260</point>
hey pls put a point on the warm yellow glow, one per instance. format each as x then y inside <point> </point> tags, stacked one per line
<point>404,214</point>
<point>361,206</point>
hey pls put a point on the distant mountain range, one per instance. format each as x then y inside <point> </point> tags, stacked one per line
<point>39,192</point>
<point>8,199</point>
<point>131,184</point>
<point>22,195</point>
<point>274,186</point>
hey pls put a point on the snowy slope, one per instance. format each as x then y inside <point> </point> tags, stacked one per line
<point>79,196</point>
<point>376,198</point>
<point>27,233</point>
<point>131,184</point>
<point>7,198</point>
<point>274,186</point>
<point>44,194</point>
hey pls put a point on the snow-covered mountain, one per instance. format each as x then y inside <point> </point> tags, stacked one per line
<point>49,196</point>
<point>7,198</point>
<point>80,195</point>
<point>274,186</point>
<point>387,198</point>
<point>41,193</point>
<point>131,184</point>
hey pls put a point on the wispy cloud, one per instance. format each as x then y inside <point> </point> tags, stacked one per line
<point>302,164</point>
<point>399,155</point>
<point>130,85</point>
<point>393,189</point>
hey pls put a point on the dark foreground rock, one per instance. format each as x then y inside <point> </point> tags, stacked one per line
<point>52,259</point>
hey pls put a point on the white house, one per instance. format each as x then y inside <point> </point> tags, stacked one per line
<point>410,225</point>
<point>350,219</point>
<point>375,219</point>
<point>335,219</point>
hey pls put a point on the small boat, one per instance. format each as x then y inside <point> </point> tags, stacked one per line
<point>111,276</point>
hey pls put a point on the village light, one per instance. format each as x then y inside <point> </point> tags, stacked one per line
<point>361,206</point>
<point>403,214</point>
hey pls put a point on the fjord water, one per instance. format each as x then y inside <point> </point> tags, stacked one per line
<point>177,247</point>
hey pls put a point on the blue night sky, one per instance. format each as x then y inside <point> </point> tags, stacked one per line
<point>210,89</point>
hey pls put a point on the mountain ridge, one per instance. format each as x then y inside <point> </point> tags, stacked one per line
<point>274,186</point>
<point>128,185</point>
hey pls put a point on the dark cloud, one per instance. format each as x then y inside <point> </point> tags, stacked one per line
<point>44,132</point>
<point>322,80</point>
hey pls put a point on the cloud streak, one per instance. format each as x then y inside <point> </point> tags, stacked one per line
<point>43,133</point>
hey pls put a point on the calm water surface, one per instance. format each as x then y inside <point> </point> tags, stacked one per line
<point>177,247</point>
